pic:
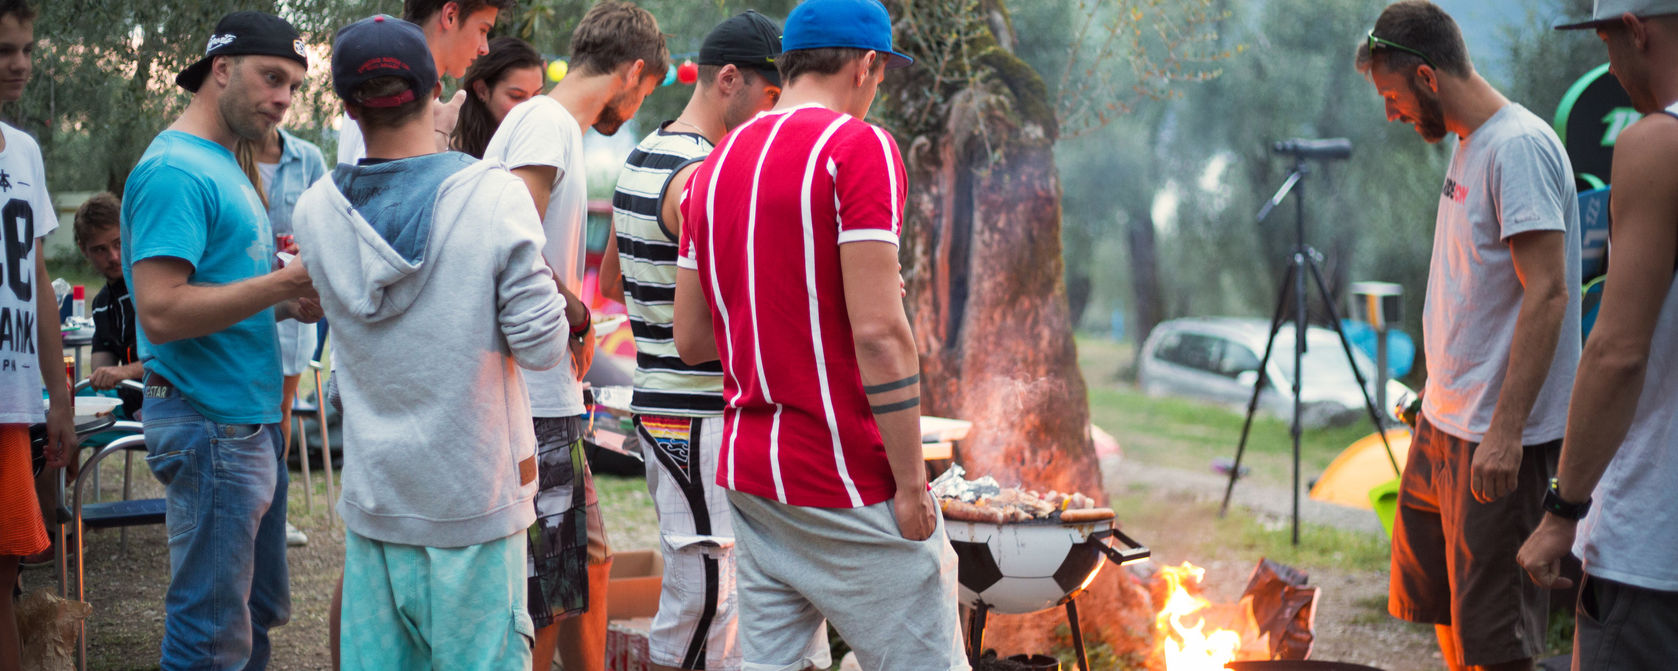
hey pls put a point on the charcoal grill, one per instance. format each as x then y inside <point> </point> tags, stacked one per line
<point>1032,566</point>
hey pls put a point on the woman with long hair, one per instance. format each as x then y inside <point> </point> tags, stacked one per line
<point>509,74</point>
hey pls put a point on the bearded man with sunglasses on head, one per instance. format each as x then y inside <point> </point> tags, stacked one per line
<point>1500,329</point>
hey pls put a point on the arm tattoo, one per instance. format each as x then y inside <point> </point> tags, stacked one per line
<point>894,407</point>
<point>891,386</point>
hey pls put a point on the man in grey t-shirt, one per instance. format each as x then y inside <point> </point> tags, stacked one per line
<point>1501,335</point>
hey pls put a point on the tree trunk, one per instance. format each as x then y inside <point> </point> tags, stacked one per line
<point>987,298</point>
<point>1147,301</point>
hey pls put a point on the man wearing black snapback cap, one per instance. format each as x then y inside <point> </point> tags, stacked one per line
<point>678,408</point>
<point>198,254</point>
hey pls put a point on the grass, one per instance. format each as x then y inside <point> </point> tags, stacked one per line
<point>1192,435</point>
<point>1185,527</point>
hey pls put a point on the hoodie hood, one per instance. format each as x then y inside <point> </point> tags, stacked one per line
<point>379,232</point>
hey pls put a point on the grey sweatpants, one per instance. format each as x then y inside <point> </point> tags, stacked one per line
<point>893,600</point>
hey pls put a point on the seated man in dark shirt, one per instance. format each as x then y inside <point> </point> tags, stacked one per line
<point>99,236</point>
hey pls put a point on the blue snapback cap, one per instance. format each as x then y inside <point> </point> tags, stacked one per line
<point>382,46</point>
<point>853,24</point>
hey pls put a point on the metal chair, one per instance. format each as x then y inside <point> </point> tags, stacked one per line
<point>102,515</point>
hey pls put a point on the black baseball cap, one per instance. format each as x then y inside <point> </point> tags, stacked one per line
<point>745,40</point>
<point>382,46</point>
<point>241,34</point>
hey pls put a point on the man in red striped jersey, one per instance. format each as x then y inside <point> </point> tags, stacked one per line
<point>788,276</point>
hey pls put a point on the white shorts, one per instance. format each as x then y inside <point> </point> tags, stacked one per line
<point>697,619</point>
<point>893,600</point>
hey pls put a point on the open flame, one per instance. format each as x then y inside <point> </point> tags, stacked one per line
<point>1181,624</point>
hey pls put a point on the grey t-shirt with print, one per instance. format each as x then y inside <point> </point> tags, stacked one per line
<point>1511,176</point>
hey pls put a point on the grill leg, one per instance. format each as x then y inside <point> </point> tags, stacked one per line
<point>1077,635</point>
<point>976,634</point>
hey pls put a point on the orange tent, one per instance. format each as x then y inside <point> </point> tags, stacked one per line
<point>1361,467</point>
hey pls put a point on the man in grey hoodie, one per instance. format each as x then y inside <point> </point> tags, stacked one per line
<point>439,463</point>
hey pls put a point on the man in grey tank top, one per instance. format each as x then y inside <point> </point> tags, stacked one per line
<point>1623,422</point>
<point>1500,327</point>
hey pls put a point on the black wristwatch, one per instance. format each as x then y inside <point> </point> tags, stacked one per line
<point>1567,510</point>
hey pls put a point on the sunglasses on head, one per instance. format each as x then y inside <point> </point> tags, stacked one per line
<point>1375,42</point>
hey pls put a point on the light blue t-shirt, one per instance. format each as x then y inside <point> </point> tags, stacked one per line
<point>188,199</point>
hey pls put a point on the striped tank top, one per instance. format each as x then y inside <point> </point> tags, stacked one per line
<point>663,384</point>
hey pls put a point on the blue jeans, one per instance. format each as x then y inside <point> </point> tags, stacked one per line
<point>226,492</point>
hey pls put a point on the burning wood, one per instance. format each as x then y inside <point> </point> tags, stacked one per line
<point>1272,619</point>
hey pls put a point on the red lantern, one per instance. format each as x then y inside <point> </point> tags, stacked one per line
<point>687,72</point>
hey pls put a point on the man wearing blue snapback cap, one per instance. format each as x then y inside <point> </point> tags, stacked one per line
<point>787,275</point>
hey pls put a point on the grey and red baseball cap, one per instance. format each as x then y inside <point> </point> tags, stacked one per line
<point>1604,12</point>
<point>382,46</point>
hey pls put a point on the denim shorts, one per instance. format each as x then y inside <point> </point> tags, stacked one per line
<point>226,494</point>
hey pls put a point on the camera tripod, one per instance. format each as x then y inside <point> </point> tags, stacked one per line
<point>1301,269</point>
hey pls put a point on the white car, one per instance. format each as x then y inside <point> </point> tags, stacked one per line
<point>1217,359</point>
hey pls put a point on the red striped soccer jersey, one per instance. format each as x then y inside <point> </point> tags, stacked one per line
<point>764,218</point>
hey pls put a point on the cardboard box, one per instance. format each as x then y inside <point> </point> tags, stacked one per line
<point>635,581</point>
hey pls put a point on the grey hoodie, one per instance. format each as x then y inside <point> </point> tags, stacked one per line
<point>435,304</point>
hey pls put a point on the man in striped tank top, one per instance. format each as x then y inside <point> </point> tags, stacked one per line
<point>788,276</point>
<point>679,406</point>
<point>1624,412</point>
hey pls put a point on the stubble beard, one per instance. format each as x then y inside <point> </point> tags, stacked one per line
<point>240,114</point>
<point>1430,121</point>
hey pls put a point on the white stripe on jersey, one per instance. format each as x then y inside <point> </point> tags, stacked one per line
<point>716,294</point>
<point>815,308</point>
<point>891,178</point>
<point>757,323</point>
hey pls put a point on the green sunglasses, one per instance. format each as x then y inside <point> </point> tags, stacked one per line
<point>1378,42</point>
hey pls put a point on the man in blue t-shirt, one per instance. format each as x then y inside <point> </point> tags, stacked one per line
<point>198,256</point>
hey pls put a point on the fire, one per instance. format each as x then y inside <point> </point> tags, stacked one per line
<point>1188,647</point>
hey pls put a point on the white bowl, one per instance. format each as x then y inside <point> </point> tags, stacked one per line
<point>88,407</point>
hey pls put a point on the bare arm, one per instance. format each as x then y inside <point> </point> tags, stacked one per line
<point>49,353</point>
<point>1614,364</point>
<point>670,203</point>
<point>610,280</point>
<point>696,341</point>
<point>1540,263</point>
<point>885,351</point>
<point>172,308</point>
<point>1540,259</point>
<point>107,374</point>
<point>539,179</point>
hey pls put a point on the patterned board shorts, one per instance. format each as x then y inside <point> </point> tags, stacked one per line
<point>568,535</point>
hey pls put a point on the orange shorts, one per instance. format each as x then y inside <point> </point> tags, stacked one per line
<point>21,529</point>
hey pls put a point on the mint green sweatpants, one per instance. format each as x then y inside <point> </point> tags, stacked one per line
<point>417,607</point>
